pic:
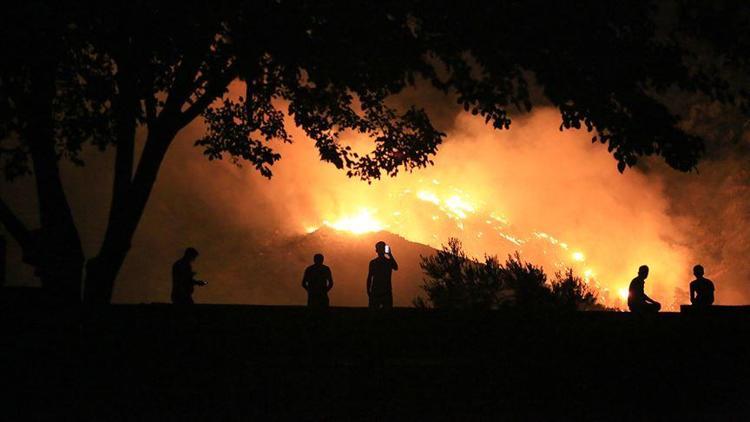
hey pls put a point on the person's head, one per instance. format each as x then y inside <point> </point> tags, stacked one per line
<point>191,253</point>
<point>643,271</point>
<point>698,270</point>
<point>380,248</point>
<point>318,258</point>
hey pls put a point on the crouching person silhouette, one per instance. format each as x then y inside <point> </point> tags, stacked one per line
<point>318,281</point>
<point>183,278</point>
<point>379,288</point>
<point>701,289</point>
<point>638,302</point>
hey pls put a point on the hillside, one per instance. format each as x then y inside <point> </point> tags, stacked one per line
<point>268,270</point>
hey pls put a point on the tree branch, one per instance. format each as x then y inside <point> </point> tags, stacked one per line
<point>150,105</point>
<point>185,75</point>
<point>127,106</point>
<point>14,225</point>
<point>213,91</point>
<point>54,209</point>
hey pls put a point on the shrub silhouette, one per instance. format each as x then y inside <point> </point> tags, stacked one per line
<point>572,293</point>
<point>453,280</point>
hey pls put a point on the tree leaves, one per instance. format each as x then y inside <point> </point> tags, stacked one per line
<point>602,65</point>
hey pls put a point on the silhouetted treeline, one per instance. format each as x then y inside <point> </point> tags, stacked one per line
<point>453,280</point>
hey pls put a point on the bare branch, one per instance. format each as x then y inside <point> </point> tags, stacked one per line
<point>213,91</point>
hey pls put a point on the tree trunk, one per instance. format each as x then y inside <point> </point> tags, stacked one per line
<point>102,270</point>
<point>131,195</point>
<point>56,247</point>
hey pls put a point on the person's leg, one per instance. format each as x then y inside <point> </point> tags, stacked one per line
<point>378,302</point>
<point>181,299</point>
<point>388,301</point>
<point>317,300</point>
<point>645,308</point>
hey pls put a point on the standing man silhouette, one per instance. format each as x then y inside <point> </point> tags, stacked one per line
<point>379,288</point>
<point>638,302</point>
<point>317,280</point>
<point>183,281</point>
<point>701,289</point>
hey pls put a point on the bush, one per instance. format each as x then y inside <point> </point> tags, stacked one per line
<point>453,280</point>
<point>570,292</point>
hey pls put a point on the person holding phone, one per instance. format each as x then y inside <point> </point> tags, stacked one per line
<point>183,278</point>
<point>379,289</point>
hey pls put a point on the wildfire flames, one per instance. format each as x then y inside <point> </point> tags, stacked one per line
<point>552,196</point>
<point>453,210</point>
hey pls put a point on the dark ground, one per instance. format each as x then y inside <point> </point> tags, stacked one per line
<point>240,362</point>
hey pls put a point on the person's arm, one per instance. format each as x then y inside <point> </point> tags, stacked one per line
<point>194,281</point>
<point>693,294</point>
<point>305,282</point>
<point>394,264</point>
<point>648,299</point>
<point>369,279</point>
<point>329,282</point>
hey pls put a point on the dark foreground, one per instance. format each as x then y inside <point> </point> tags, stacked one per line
<point>240,362</point>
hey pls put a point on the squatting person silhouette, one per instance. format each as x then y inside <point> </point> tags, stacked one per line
<point>701,289</point>
<point>379,288</point>
<point>183,280</point>
<point>317,280</point>
<point>638,302</point>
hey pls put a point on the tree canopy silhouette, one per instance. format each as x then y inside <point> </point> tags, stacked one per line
<point>96,73</point>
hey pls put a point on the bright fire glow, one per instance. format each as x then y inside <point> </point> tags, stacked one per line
<point>588,274</point>
<point>458,207</point>
<point>444,202</point>
<point>623,293</point>
<point>362,222</point>
<point>428,196</point>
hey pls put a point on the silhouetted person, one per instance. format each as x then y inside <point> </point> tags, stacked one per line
<point>379,288</point>
<point>701,289</point>
<point>638,302</point>
<point>317,280</point>
<point>183,280</point>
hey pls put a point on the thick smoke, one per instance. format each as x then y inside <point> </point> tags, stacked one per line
<point>711,207</point>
